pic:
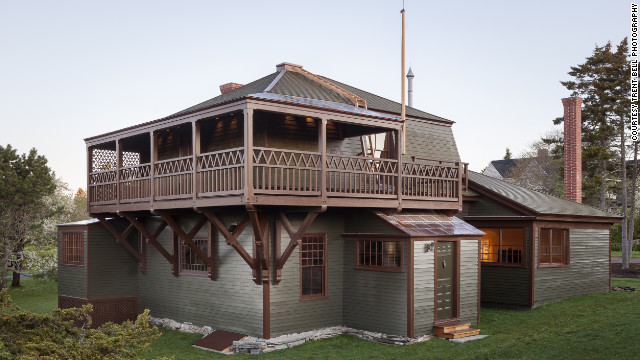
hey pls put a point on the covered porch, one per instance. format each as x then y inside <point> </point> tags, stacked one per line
<point>264,152</point>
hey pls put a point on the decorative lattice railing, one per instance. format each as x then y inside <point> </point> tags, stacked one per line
<point>292,172</point>
<point>431,180</point>
<point>135,183</point>
<point>361,176</point>
<point>221,172</point>
<point>173,178</point>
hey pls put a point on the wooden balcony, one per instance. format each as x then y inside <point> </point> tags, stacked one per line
<point>277,177</point>
<point>232,157</point>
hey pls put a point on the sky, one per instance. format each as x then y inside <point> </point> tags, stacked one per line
<point>74,69</point>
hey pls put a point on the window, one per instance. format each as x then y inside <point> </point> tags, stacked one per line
<point>313,267</point>
<point>503,246</point>
<point>190,262</point>
<point>553,247</point>
<point>72,248</point>
<point>382,255</point>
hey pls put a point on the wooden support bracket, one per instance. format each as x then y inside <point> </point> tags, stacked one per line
<point>295,238</point>
<point>261,241</point>
<point>121,238</point>
<point>152,238</point>
<point>187,239</point>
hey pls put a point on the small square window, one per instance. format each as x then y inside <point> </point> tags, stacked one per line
<point>72,248</point>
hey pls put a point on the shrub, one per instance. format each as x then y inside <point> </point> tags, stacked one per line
<point>65,334</point>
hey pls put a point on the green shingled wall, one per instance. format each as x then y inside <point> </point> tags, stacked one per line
<point>469,281</point>
<point>288,313</point>
<point>374,300</point>
<point>588,273</point>
<point>424,288</point>
<point>113,272</point>
<point>233,302</point>
<point>72,280</point>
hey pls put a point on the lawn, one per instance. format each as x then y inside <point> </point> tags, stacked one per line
<point>635,254</point>
<point>587,327</point>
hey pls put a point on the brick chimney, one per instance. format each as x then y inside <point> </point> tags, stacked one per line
<point>225,88</point>
<point>573,148</point>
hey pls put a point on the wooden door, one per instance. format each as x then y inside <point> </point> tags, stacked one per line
<point>445,262</point>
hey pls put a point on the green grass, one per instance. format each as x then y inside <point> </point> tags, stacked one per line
<point>586,327</point>
<point>36,295</point>
<point>635,254</point>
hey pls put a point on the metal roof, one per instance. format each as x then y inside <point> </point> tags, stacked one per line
<point>429,224</point>
<point>295,84</point>
<point>540,203</point>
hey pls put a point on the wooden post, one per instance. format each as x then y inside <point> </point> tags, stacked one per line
<point>152,169</point>
<point>196,151</point>
<point>248,155</point>
<point>399,151</point>
<point>89,171</point>
<point>322,149</point>
<point>118,165</point>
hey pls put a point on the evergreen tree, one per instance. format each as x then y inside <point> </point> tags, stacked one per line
<point>507,154</point>
<point>604,84</point>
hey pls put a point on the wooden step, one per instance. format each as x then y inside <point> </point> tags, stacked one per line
<point>457,334</point>
<point>453,326</point>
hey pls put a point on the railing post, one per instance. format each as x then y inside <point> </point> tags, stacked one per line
<point>195,126</point>
<point>118,165</point>
<point>89,171</point>
<point>322,148</point>
<point>248,156</point>
<point>459,166</point>
<point>399,148</point>
<point>152,169</point>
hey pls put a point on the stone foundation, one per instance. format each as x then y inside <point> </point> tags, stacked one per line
<point>255,345</point>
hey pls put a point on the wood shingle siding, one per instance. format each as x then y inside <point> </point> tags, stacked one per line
<point>113,272</point>
<point>469,281</point>
<point>588,272</point>
<point>487,207</point>
<point>288,313</point>
<point>430,140</point>
<point>424,288</point>
<point>233,302</point>
<point>72,280</point>
<point>374,300</point>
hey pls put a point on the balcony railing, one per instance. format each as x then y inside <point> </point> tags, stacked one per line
<point>279,172</point>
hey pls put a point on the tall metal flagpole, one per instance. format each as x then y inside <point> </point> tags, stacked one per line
<point>403,115</point>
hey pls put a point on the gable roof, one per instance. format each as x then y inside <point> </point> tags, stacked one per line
<point>428,224</point>
<point>537,202</point>
<point>291,83</point>
<point>503,166</point>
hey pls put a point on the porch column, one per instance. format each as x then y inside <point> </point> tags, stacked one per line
<point>322,149</point>
<point>118,165</point>
<point>152,168</point>
<point>248,154</point>
<point>399,147</point>
<point>195,129</point>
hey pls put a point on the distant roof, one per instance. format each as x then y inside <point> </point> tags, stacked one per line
<point>428,223</point>
<point>81,222</point>
<point>537,202</point>
<point>503,166</point>
<point>291,83</point>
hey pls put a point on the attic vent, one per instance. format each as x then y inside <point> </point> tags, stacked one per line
<point>357,101</point>
<point>225,88</point>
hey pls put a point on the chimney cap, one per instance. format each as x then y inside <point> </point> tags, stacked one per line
<point>287,66</point>
<point>410,73</point>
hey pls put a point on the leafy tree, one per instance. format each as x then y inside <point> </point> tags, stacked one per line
<point>540,167</point>
<point>26,183</point>
<point>604,84</point>
<point>507,154</point>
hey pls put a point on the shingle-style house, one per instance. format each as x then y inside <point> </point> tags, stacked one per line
<point>292,203</point>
